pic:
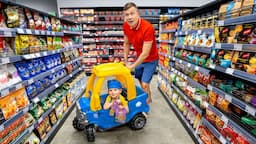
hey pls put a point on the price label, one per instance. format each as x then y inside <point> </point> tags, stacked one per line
<point>206,104</point>
<point>43,32</point>
<point>225,119</point>
<point>229,71</point>
<point>30,81</point>
<point>56,85</point>
<point>37,55</point>
<point>4,92</point>
<point>25,110</point>
<point>217,45</point>
<point>28,31</point>
<point>189,64</point>
<point>222,140</point>
<point>53,71</point>
<point>5,60</point>
<point>45,54</point>
<point>199,31</point>
<point>212,66</point>
<point>238,47</point>
<point>7,33</point>
<point>53,33</point>
<point>70,75</point>
<point>210,87</point>
<point>36,100</point>
<point>250,110</point>
<point>18,86</point>
<point>31,129</point>
<point>20,31</point>
<point>48,33</point>
<point>1,128</point>
<point>40,120</point>
<point>37,32</point>
<point>228,97</point>
<point>196,68</point>
<point>221,23</point>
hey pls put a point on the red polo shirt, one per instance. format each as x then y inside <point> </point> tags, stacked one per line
<point>144,32</point>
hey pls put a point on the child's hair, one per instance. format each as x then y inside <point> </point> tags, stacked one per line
<point>114,84</point>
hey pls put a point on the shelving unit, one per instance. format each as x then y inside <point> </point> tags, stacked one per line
<point>183,51</point>
<point>50,68</point>
<point>102,32</point>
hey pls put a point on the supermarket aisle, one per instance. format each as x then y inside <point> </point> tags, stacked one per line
<point>162,127</point>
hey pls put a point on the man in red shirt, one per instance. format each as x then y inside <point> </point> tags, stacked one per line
<point>141,35</point>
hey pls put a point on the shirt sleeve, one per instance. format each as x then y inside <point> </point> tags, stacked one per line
<point>108,99</point>
<point>123,101</point>
<point>149,34</point>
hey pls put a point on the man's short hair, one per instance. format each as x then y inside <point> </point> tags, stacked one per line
<point>129,5</point>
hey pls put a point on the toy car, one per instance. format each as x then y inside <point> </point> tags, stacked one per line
<point>90,114</point>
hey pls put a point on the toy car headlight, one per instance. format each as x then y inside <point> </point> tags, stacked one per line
<point>80,115</point>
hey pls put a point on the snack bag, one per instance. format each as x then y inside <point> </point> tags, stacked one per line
<point>12,16</point>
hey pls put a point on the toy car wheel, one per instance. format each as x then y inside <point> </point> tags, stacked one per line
<point>77,125</point>
<point>90,132</point>
<point>137,122</point>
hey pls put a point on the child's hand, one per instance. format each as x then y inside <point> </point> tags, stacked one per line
<point>118,101</point>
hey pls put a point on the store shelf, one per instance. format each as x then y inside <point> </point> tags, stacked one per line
<point>195,67</point>
<point>190,80</point>
<point>7,32</point>
<point>10,89</point>
<point>59,123</point>
<point>238,20</point>
<point>236,47</point>
<point>108,41</point>
<point>10,59</point>
<point>38,32</point>
<point>187,99</point>
<point>206,50</point>
<point>214,131</point>
<point>56,85</point>
<point>72,33</point>
<point>89,42</point>
<point>13,118</point>
<point>168,31</point>
<point>237,102</point>
<point>201,31</point>
<point>20,138</point>
<point>167,41</point>
<point>46,53</point>
<point>106,35</point>
<point>101,29</point>
<point>232,124</point>
<point>183,120</point>
<point>235,73</point>
<point>109,22</point>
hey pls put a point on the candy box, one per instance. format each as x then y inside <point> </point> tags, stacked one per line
<point>244,33</point>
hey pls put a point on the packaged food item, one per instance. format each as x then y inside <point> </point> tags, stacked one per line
<point>52,117</point>
<point>31,22</point>
<point>36,111</point>
<point>12,16</point>
<point>47,23</point>
<point>31,139</point>
<point>247,7</point>
<point>8,106</point>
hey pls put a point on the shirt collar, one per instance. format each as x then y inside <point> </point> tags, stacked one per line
<point>138,25</point>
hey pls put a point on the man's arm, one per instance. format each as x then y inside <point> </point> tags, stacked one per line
<point>127,46</point>
<point>145,53</point>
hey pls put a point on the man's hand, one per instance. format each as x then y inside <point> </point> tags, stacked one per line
<point>130,66</point>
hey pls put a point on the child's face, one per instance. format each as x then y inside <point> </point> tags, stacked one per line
<point>114,92</point>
